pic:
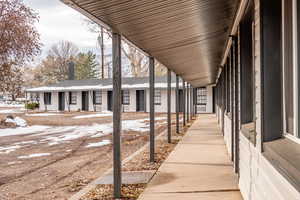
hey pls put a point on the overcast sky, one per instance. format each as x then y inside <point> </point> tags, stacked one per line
<point>60,22</point>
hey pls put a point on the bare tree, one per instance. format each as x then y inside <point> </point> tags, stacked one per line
<point>101,31</point>
<point>19,41</point>
<point>137,59</point>
<point>59,56</point>
<point>13,84</point>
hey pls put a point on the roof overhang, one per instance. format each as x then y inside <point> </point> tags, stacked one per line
<point>187,36</point>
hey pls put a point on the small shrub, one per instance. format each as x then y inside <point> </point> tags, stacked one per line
<point>32,106</point>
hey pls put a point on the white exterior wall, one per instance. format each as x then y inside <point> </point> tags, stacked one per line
<point>259,180</point>
<point>104,100</point>
<point>227,134</point>
<point>125,108</point>
<point>54,102</point>
<point>209,105</point>
<point>163,107</point>
<point>132,106</point>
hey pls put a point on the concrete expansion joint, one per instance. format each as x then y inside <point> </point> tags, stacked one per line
<point>192,163</point>
<point>202,191</point>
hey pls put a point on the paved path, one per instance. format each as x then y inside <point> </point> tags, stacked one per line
<point>198,168</point>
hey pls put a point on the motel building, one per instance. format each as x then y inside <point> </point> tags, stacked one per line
<point>248,49</point>
<point>97,95</point>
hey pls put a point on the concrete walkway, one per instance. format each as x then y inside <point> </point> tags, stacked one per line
<point>198,168</point>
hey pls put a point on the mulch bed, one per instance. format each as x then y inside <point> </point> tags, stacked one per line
<point>141,161</point>
<point>105,192</point>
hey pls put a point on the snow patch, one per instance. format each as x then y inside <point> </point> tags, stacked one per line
<point>35,155</point>
<point>98,144</point>
<point>11,105</point>
<point>14,162</point>
<point>18,121</point>
<point>26,142</point>
<point>11,111</point>
<point>93,115</point>
<point>7,150</point>
<point>42,114</point>
<point>23,130</point>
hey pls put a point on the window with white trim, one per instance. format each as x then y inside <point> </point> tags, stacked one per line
<point>47,98</point>
<point>202,96</point>
<point>73,98</point>
<point>157,97</point>
<point>97,97</point>
<point>125,97</point>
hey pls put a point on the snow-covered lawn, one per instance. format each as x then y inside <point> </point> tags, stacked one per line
<point>54,135</point>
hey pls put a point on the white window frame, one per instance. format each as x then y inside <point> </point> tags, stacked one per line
<point>48,103</point>
<point>295,136</point>
<point>199,94</point>
<point>125,97</point>
<point>157,97</point>
<point>71,96</point>
<point>99,97</point>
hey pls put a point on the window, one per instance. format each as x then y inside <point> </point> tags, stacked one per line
<point>73,97</point>
<point>35,97</point>
<point>97,97</point>
<point>157,97</point>
<point>288,71</point>
<point>201,96</point>
<point>47,98</point>
<point>247,66</point>
<point>125,97</point>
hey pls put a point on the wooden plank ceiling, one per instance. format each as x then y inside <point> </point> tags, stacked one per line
<point>187,36</point>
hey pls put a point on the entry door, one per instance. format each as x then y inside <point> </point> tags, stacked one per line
<point>85,101</point>
<point>61,101</point>
<point>140,101</point>
<point>109,100</point>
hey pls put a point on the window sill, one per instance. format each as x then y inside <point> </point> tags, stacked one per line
<point>284,154</point>
<point>248,130</point>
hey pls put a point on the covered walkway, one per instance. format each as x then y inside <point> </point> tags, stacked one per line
<point>198,168</point>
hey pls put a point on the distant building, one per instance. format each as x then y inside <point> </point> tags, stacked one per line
<point>97,95</point>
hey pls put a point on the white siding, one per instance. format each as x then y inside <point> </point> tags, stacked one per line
<point>227,134</point>
<point>259,180</point>
<point>54,102</point>
<point>125,108</point>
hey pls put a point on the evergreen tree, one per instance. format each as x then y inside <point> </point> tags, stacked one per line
<point>86,66</point>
